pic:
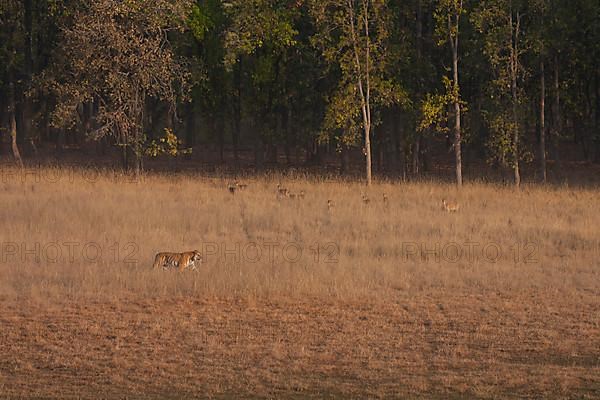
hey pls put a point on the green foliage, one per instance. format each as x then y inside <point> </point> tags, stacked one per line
<point>503,26</point>
<point>501,145</point>
<point>169,144</point>
<point>446,14</point>
<point>281,72</point>
<point>434,108</point>
<point>200,21</point>
<point>357,55</point>
<point>256,24</point>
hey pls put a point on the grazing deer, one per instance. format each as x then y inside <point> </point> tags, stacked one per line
<point>240,185</point>
<point>330,205</point>
<point>231,187</point>
<point>281,191</point>
<point>299,195</point>
<point>366,199</point>
<point>451,206</point>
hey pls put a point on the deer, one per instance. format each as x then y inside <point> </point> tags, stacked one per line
<point>450,206</point>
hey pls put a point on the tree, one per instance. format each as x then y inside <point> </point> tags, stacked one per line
<point>353,36</point>
<point>540,46</point>
<point>500,21</point>
<point>211,82</point>
<point>11,16</point>
<point>115,56</point>
<point>258,39</point>
<point>448,15</point>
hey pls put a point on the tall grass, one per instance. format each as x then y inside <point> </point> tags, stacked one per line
<point>537,238</point>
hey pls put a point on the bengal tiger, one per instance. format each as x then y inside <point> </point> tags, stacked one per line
<point>179,261</point>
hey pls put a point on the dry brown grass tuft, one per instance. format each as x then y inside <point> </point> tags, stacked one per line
<point>342,301</point>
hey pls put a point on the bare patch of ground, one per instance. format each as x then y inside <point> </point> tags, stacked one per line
<point>435,345</point>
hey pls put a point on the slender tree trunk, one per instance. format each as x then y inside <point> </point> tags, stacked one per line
<point>237,127</point>
<point>516,139</point>
<point>124,143</point>
<point>514,59</point>
<point>368,126</point>
<point>13,125</point>
<point>596,135</point>
<point>138,131</point>
<point>368,155</point>
<point>236,136</point>
<point>364,92</point>
<point>26,103</point>
<point>138,153</point>
<point>542,122</point>
<point>419,28</point>
<point>456,95</point>
<point>416,146</point>
<point>237,110</point>
<point>287,128</point>
<point>394,135</point>
<point>457,138</point>
<point>416,160</point>
<point>556,114</point>
<point>190,117</point>
<point>221,132</point>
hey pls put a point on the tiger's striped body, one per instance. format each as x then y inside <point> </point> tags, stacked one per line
<point>180,261</point>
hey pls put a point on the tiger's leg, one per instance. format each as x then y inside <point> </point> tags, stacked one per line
<point>183,264</point>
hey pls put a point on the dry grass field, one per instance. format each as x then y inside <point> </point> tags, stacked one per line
<point>296,299</point>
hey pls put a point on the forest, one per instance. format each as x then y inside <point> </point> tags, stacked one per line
<point>378,87</point>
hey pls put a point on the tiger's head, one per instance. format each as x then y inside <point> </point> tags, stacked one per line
<point>197,256</point>
<point>195,259</point>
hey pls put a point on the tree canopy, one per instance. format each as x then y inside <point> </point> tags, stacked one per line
<point>390,86</point>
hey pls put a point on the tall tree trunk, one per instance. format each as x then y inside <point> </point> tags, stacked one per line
<point>13,124</point>
<point>287,128</point>
<point>138,153</point>
<point>556,114</point>
<point>416,146</point>
<point>190,131</point>
<point>368,155</point>
<point>364,90</point>
<point>124,143</point>
<point>542,122</point>
<point>416,153</point>
<point>395,138</point>
<point>26,104</point>
<point>457,134</point>
<point>237,110</point>
<point>596,134</point>
<point>456,95</point>
<point>514,60</point>
<point>516,165</point>
<point>221,132</point>
<point>419,29</point>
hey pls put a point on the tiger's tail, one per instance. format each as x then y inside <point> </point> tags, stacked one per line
<point>157,262</point>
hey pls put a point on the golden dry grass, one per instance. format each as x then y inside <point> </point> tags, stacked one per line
<point>396,313</point>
